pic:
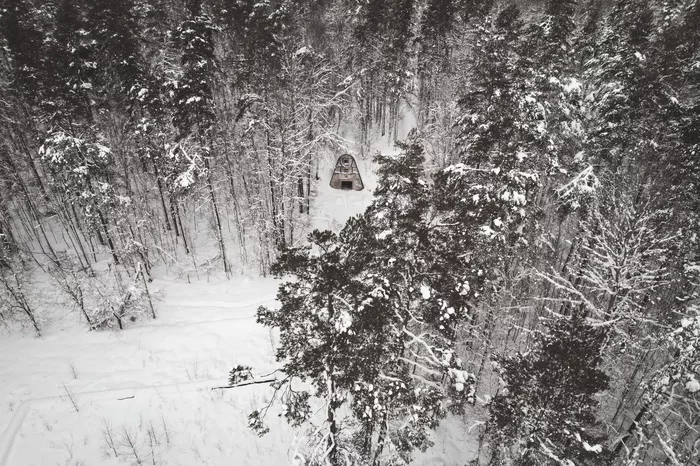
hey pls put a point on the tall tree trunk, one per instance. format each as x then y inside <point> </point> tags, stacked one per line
<point>240,228</point>
<point>174,215</point>
<point>162,197</point>
<point>279,241</point>
<point>381,441</point>
<point>105,228</point>
<point>332,442</point>
<point>178,218</point>
<point>22,143</point>
<point>300,193</point>
<point>632,428</point>
<point>217,218</point>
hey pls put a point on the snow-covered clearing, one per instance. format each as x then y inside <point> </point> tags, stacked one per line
<point>156,375</point>
<point>330,208</point>
<point>144,395</point>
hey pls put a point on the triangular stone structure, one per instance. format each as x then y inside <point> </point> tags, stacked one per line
<point>346,175</point>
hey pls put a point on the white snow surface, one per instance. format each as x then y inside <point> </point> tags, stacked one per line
<point>158,372</point>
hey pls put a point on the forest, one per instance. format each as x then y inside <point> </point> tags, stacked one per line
<point>530,258</point>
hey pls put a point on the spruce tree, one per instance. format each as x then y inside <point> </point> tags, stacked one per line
<point>630,99</point>
<point>547,407</point>
<point>68,68</point>
<point>500,119</point>
<point>488,197</point>
<point>552,37</point>
<point>257,32</point>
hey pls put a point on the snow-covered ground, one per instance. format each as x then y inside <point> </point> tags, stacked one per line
<point>330,208</point>
<point>157,375</point>
<point>144,395</point>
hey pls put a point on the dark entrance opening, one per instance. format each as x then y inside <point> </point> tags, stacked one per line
<point>346,185</point>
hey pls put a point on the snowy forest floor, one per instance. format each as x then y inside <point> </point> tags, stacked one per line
<point>144,395</point>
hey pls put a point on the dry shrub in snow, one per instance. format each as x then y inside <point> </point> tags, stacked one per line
<point>15,304</point>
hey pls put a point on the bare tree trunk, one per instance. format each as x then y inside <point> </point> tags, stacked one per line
<point>279,240</point>
<point>105,227</point>
<point>70,230</point>
<point>240,228</point>
<point>24,147</point>
<point>332,443</point>
<point>217,218</point>
<point>633,426</point>
<point>162,197</point>
<point>307,199</point>
<point>20,299</point>
<point>145,287</point>
<point>178,218</point>
<point>300,193</point>
<point>381,440</point>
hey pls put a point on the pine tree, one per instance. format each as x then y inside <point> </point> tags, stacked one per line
<point>382,34</point>
<point>328,336</point>
<point>547,407</point>
<point>501,117</point>
<point>551,50</point>
<point>75,151</point>
<point>552,37</point>
<point>257,31</point>
<point>630,100</point>
<point>424,306</point>
<point>439,19</point>
<point>489,195</point>
<point>80,166</point>
<point>194,114</point>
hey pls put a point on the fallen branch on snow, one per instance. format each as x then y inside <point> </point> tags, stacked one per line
<point>267,378</point>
